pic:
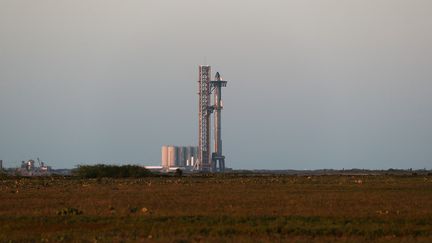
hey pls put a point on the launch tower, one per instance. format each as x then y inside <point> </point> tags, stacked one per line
<point>207,161</point>
<point>204,91</point>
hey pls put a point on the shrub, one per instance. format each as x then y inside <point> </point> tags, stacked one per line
<point>110,171</point>
<point>69,211</point>
<point>3,175</point>
<point>178,172</point>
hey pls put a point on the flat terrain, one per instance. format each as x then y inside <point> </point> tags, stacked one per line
<point>230,208</point>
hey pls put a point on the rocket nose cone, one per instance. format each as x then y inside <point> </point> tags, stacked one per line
<point>217,76</point>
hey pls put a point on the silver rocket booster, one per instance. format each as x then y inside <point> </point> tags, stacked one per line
<point>217,117</point>
<point>217,156</point>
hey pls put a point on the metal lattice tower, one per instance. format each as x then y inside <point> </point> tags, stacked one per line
<point>204,159</point>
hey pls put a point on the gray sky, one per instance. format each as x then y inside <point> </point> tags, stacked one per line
<point>312,83</point>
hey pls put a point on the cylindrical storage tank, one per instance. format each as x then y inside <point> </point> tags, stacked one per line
<point>194,152</point>
<point>183,156</point>
<point>189,153</point>
<point>171,156</point>
<point>177,156</point>
<point>164,159</point>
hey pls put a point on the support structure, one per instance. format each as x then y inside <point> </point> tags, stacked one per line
<point>204,90</point>
<point>207,161</point>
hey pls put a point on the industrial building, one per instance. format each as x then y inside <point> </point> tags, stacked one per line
<point>201,158</point>
<point>178,156</point>
<point>30,168</point>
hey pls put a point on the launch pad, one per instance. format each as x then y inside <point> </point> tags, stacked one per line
<point>201,158</point>
<point>207,161</point>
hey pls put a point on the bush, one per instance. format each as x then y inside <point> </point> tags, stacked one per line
<point>3,175</point>
<point>69,211</point>
<point>110,171</point>
<point>178,172</point>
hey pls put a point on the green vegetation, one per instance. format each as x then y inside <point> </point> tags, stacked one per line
<point>217,208</point>
<point>178,172</point>
<point>110,171</point>
<point>4,175</point>
<point>69,211</point>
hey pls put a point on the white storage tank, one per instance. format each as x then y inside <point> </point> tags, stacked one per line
<point>189,154</point>
<point>164,160</point>
<point>172,156</point>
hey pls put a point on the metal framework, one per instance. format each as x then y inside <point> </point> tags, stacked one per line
<point>203,163</point>
<point>207,161</point>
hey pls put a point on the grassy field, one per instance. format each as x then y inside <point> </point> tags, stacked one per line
<point>230,208</point>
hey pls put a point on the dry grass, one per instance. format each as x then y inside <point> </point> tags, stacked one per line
<point>229,208</point>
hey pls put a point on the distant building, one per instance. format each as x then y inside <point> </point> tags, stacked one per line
<point>29,168</point>
<point>178,156</point>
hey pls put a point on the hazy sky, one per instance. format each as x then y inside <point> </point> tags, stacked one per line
<point>312,83</point>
